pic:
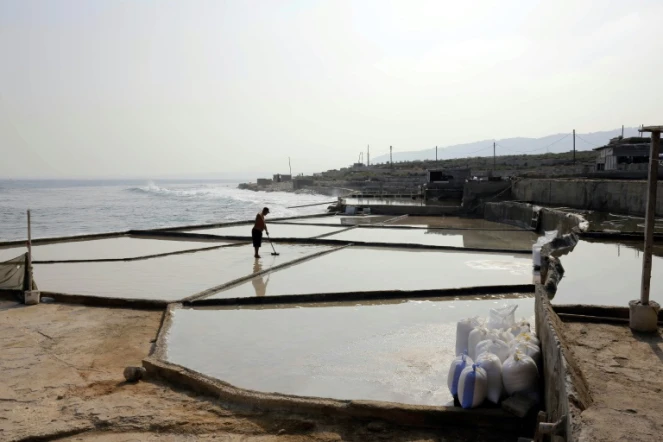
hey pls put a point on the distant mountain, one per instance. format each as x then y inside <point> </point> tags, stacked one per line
<point>557,143</point>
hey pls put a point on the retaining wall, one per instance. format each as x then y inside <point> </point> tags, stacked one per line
<point>626,197</point>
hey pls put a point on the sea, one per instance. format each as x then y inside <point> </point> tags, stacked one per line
<point>74,207</point>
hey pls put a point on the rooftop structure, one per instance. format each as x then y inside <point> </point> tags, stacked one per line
<point>623,154</point>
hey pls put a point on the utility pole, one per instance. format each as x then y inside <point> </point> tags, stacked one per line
<point>574,145</point>
<point>391,158</point>
<point>493,156</point>
<point>29,244</point>
<point>290,167</point>
<point>643,312</point>
<point>622,131</point>
<point>436,154</point>
<point>368,155</point>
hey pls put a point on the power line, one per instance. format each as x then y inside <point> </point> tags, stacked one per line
<point>534,150</point>
<point>588,142</point>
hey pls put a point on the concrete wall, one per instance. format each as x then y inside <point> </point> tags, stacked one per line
<point>476,192</point>
<point>626,197</point>
<point>520,215</point>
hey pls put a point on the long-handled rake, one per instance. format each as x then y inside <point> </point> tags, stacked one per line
<point>272,244</point>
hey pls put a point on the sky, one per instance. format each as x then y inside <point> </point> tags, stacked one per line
<point>92,89</point>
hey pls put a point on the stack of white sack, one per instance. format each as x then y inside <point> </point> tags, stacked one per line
<point>495,360</point>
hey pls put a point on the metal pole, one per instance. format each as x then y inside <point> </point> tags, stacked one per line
<point>622,131</point>
<point>574,146</point>
<point>436,153</point>
<point>649,218</point>
<point>493,156</point>
<point>368,155</point>
<point>391,158</point>
<point>29,284</point>
<point>290,166</point>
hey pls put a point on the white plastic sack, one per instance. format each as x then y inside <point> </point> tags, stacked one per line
<point>477,335</point>
<point>463,329</point>
<point>526,337</point>
<point>495,346</point>
<point>457,366</point>
<point>520,375</point>
<point>493,367</point>
<point>472,386</point>
<point>528,349</point>
<point>503,335</point>
<point>519,327</point>
<point>503,317</point>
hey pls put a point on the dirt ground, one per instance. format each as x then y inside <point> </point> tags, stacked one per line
<point>625,376</point>
<point>61,379</point>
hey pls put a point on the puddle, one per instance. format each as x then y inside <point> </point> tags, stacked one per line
<point>485,239</point>
<point>275,230</point>
<point>168,278</point>
<point>605,273</point>
<point>450,222</point>
<point>109,248</point>
<point>391,352</point>
<point>371,269</point>
<point>343,220</point>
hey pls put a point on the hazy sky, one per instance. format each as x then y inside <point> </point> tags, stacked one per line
<point>151,88</point>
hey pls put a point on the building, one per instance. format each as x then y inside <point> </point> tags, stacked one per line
<point>264,181</point>
<point>627,154</point>
<point>280,178</point>
<point>445,184</point>
<point>449,176</point>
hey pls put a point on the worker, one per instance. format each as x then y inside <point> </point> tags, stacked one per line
<point>256,232</point>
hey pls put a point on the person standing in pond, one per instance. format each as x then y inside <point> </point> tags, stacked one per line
<point>258,227</point>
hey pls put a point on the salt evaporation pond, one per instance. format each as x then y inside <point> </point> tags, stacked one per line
<point>357,269</point>
<point>167,278</point>
<point>450,222</point>
<point>336,220</point>
<point>396,352</point>
<point>607,273</point>
<point>505,240</point>
<point>275,230</point>
<point>107,248</point>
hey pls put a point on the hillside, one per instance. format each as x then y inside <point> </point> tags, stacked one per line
<point>557,143</point>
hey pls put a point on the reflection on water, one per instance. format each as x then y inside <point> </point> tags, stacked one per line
<point>258,282</point>
<point>397,352</point>
<point>607,273</point>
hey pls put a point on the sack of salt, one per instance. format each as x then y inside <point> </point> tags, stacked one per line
<point>472,386</point>
<point>457,367</point>
<point>463,329</point>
